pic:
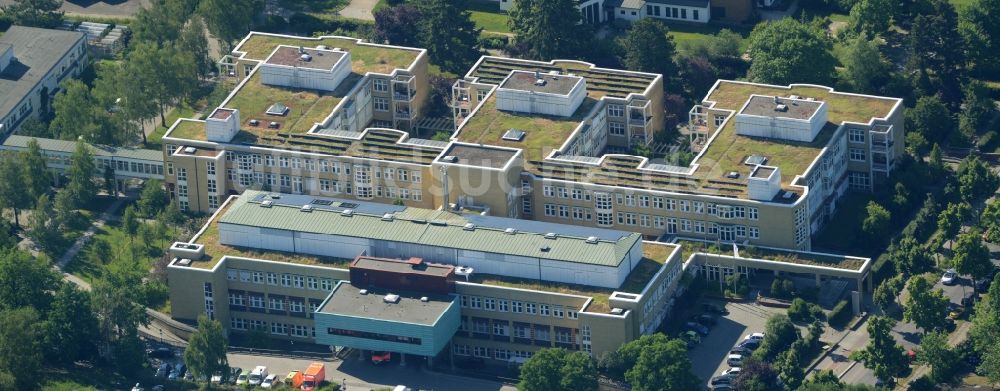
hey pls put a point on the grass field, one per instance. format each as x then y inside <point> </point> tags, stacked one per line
<point>489,16</point>
<point>682,32</point>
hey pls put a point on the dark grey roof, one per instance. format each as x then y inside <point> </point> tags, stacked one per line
<point>682,3</point>
<point>766,106</point>
<point>347,300</point>
<point>36,51</point>
<point>528,81</point>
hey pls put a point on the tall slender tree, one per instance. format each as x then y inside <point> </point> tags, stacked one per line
<point>81,175</point>
<point>548,29</point>
<point>37,176</point>
<point>12,194</point>
<point>205,354</point>
<point>449,34</point>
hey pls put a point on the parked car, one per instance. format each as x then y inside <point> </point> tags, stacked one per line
<point>159,387</point>
<point>137,387</point>
<point>750,344</point>
<point>708,319</point>
<point>969,300</point>
<point>754,336</point>
<point>163,370</point>
<point>696,327</point>
<point>722,379</point>
<point>740,350</point>
<point>714,308</point>
<point>174,375</point>
<point>735,360</point>
<point>242,379</point>
<point>949,277</point>
<point>234,375</point>
<point>160,353</point>
<point>735,371</point>
<point>722,387</point>
<point>270,381</point>
<point>216,378</point>
<point>954,311</point>
<point>189,376</point>
<point>381,357</point>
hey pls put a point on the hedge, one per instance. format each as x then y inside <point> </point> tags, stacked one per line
<point>841,315</point>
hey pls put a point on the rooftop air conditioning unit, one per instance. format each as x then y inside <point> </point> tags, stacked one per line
<point>781,107</point>
<point>469,227</point>
<point>266,204</point>
<point>545,249</point>
<point>449,159</point>
<point>539,82</point>
<point>184,262</point>
<point>391,298</point>
<point>363,292</point>
<point>388,217</point>
<point>617,311</point>
<point>510,231</point>
<point>307,208</point>
<point>347,212</point>
<point>592,240</point>
<point>424,299</point>
<point>190,150</point>
<point>305,57</point>
<point>551,235</point>
<point>794,96</point>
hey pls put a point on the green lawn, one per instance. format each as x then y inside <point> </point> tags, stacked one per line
<point>154,140</point>
<point>682,32</point>
<point>489,16</point>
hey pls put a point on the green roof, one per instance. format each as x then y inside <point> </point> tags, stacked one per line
<point>64,146</point>
<point>433,232</point>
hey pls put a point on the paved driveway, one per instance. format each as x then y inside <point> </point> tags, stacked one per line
<point>359,9</point>
<point>112,8</point>
<point>709,357</point>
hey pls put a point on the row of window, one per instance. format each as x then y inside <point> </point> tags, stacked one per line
<point>246,162</point>
<point>273,302</point>
<point>484,327</point>
<point>282,279</point>
<point>276,328</point>
<point>494,353</point>
<point>517,307</point>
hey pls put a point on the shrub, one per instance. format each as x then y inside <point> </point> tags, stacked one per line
<point>799,311</point>
<point>494,41</point>
<point>987,140</point>
<point>840,315</point>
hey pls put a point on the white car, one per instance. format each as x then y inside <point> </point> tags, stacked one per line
<point>732,372</point>
<point>757,336</point>
<point>270,381</point>
<point>949,277</point>
<point>137,387</point>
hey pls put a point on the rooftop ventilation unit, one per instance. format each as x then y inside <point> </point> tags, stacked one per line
<point>439,223</point>
<point>305,57</point>
<point>733,175</point>
<point>347,212</point>
<point>545,249</point>
<point>617,311</point>
<point>781,107</point>
<point>424,299</point>
<point>322,47</point>
<point>811,99</point>
<point>794,97</point>
<point>190,150</point>
<point>469,227</point>
<point>463,271</point>
<point>391,298</point>
<point>788,195</point>
<point>755,160</point>
<point>184,262</point>
<point>363,292</point>
<point>510,231</point>
<point>539,82</point>
<point>513,135</point>
<point>266,204</point>
<point>388,217</point>
<point>449,159</point>
<point>307,208</point>
<point>592,240</point>
<point>551,235</point>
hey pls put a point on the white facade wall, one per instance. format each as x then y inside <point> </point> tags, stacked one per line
<point>307,78</point>
<point>782,128</point>
<point>254,237</point>
<point>223,130</point>
<point>542,103</point>
<point>330,246</point>
<point>764,189</point>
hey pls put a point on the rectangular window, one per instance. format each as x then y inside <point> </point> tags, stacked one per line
<point>856,136</point>
<point>616,110</point>
<point>380,104</point>
<point>210,168</point>
<point>616,129</point>
<point>529,308</point>
<point>857,154</point>
<point>380,85</point>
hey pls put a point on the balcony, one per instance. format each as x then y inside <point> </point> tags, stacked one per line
<point>405,114</point>
<point>403,95</point>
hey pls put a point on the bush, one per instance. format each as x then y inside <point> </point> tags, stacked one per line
<point>799,311</point>
<point>494,41</point>
<point>782,288</point>
<point>840,315</point>
<point>987,141</point>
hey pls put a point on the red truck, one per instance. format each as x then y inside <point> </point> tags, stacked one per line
<point>314,376</point>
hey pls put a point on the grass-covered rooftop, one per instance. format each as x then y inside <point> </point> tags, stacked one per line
<point>365,57</point>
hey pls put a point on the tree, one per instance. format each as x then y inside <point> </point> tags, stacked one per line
<point>911,257</point>
<point>20,353</point>
<point>449,34</point>
<point>662,365</point>
<point>788,51</point>
<point>114,89</point>
<point>950,219</point>
<point>648,48</point>
<point>936,49</point>
<point>876,224</point>
<point>12,194</point>
<point>936,157</point>
<point>982,35</point>
<point>977,108</point>
<point>206,350</point>
<point>77,115</point>
<point>228,20</point>
<point>756,375</point>
<point>166,74</point>
<point>110,184</point>
<point>935,351</point>
<point>972,257</point>
<point>865,67</point>
<point>886,293</point>
<point>870,17</point>
<point>81,175</point>
<point>71,327</point>
<point>37,177</point>
<point>985,330</point>
<point>779,335</point>
<point>931,118</point>
<point>976,179</point>
<point>882,355</point>
<point>990,222</point>
<point>65,215</point>
<point>161,22</point>
<point>554,369</point>
<point>547,29</point>
<point>25,281</point>
<point>35,13</point>
<point>194,42</point>
<point>398,25</point>
<point>153,199</point>
<point>926,308</point>
<point>130,222</point>
<point>43,224</point>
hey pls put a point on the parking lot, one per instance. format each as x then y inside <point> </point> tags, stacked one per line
<point>709,357</point>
